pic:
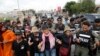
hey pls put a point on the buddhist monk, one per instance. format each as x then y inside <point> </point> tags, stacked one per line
<point>1,54</point>
<point>8,38</point>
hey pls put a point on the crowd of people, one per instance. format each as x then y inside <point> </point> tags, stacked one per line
<point>77,37</point>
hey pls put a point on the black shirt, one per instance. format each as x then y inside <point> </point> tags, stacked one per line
<point>66,41</point>
<point>36,42</point>
<point>60,27</point>
<point>47,43</point>
<point>86,38</point>
<point>20,49</point>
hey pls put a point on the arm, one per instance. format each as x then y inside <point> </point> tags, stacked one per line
<point>13,52</point>
<point>13,48</point>
<point>29,42</point>
<point>28,53</point>
<point>58,41</point>
<point>40,45</point>
<point>27,48</point>
<point>77,38</point>
<point>12,37</point>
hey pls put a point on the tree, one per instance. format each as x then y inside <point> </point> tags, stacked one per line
<point>76,8</point>
<point>68,7</point>
<point>87,6</point>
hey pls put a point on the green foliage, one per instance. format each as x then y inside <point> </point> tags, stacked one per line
<point>68,6</point>
<point>86,6</point>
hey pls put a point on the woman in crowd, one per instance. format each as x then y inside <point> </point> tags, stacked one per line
<point>66,41</point>
<point>36,40</point>
<point>47,44</point>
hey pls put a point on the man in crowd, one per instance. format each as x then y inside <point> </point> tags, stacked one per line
<point>84,39</point>
<point>20,47</point>
<point>1,39</point>
<point>96,33</point>
<point>59,27</point>
<point>8,37</point>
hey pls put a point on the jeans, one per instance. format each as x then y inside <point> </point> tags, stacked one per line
<point>38,54</point>
<point>50,52</point>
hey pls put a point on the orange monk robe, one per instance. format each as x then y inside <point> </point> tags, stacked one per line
<point>1,52</point>
<point>8,36</point>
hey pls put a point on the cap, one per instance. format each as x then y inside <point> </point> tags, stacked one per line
<point>18,32</point>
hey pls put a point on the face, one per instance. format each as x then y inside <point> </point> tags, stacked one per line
<point>46,31</point>
<point>68,33</point>
<point>59,21</point>
<point>35,33</point>
<point>18,37</point>
<point>18,25</point>
<point>85,28</point>
<point>3,29</point>
<point>98,24</point>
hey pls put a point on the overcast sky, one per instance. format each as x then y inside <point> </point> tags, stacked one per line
<point>9,5</point>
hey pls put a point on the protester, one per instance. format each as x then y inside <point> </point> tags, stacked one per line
<point>66,40</point>
<point>59,27</point>
<point>48,42</point>
<point>8,23</point>
<point>17,26</point>
<point>28,36</point>
<point>27,32</point>
<point>8,38</point>
<point>71,24</point>
<point>1,40</point>
<point>20,47</point>
<point>96,33</point>
<point>51,25</point>
<point>37,38</point>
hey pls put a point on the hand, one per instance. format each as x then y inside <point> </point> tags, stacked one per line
<point>1,42</point>
<point>5,42</point>
<point>94,46</point>
<point>77,40</point>
<point>58,41</point>
<point>37,39</point>
<point>30,43</point>
<point>40,45</point>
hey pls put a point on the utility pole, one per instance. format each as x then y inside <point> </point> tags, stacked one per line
<point>18,4</point>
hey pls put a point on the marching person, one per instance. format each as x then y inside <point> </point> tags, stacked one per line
<point>8,38</point>
<point>96,33</point>
<point>66,41</point>
<point>85,40</point>
<point>47,44</point>
<point>37,38</point>
<point>96,28</point>
<point>59,27</point>
<point>20,47</point>
<point>1,40</point>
